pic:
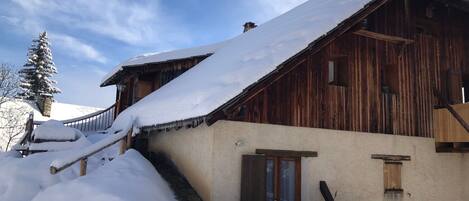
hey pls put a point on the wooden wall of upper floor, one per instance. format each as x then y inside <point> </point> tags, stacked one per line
<point>386,85</point>
<point>142,80</point>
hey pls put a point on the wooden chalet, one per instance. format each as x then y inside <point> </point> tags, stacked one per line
<point>394,67</point>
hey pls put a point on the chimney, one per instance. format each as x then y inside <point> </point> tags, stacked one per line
<point>44,102</point>
<point>248,26</point>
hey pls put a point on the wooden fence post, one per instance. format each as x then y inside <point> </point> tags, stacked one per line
<point>123,146</point>
<point>129,139</point>
<point>83,164</point>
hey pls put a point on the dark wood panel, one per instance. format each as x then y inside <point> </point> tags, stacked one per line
<point>304,97</point>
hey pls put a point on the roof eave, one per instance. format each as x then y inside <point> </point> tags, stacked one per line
<point>113,79</point>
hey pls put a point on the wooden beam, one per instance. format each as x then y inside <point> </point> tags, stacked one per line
<point>383,37</point>
<point>123,146</point>
<point>83,164</point>
<point>287,153</point>
<point>390,157</point>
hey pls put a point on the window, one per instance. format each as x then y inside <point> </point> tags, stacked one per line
<point>454,81</point>
<point>272,175</point>
<point>392,176</point>
<point>283,178</point>
<point>465,90</point>
<point>338,71</point>
<point>390,79</point>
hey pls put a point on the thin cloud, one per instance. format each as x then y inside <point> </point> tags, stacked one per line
<point>69,45</point>
<point>134,23</point>
<point>268,9</point>
<point>76,48</point>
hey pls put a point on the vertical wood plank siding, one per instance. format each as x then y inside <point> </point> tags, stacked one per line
<point>303,97</point>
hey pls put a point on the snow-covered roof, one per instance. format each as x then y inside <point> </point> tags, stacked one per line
<point>240,63</point>
<point>18,111</point>
<point>158,57</point>
<point>59,111</point>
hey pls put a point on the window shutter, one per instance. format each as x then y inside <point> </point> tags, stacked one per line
<point>392,176</point>
<point>253,178</point>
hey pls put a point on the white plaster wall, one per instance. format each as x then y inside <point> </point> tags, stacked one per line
<point>191,151</point>
<point>211,157</point>
<point>344,162</point>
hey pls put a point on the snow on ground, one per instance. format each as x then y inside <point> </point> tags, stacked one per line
<point>22,178</point>
<point>127,178</point>
<point>241,62</point>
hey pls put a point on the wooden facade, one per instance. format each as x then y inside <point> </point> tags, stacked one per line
<point>395,59</point>
<point>379,74</point>
<point>139,81</point>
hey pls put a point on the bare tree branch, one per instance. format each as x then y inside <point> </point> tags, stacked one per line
<point>12,123</point>
<point>9,83</point>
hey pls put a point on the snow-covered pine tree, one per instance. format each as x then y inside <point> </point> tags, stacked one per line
<point>38,70</point>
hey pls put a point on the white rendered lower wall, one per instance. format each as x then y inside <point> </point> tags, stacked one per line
<point>210,157</point>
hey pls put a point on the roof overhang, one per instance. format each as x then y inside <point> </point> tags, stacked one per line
<point>125,70</point>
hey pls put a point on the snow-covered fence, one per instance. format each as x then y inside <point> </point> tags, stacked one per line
<point>96,121</point>
<point>124,136</point>
<point>28,129</point>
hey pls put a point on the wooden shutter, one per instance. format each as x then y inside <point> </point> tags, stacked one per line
<point>253,178</point>
<point>392,176</point>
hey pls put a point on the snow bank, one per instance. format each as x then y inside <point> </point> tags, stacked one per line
<point>240,63</point>
<point>56,131</point>
<point>59,146</point>
<point>22,178</point>
<point>76,155</point>
<point>165,56</point>
<point>127,178</point>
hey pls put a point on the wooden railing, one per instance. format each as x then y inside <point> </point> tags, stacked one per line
<point>96,121</point>
<point>124,136</point>
<point>28,130</point>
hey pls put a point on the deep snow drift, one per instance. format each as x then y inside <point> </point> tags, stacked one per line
<point>127,177</point>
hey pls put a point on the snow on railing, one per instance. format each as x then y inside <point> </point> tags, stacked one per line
<point>28,130</point>
<point>124,136</point>
<point>99,120</point>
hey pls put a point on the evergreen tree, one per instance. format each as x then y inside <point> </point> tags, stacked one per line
<point>39,68</point>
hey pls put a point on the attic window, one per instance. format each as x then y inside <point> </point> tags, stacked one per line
<point>338,71</point>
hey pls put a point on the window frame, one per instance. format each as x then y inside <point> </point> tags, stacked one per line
<point>277,160</point>
<point>337,70</point>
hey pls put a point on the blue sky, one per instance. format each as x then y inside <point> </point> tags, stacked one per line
<point>90,37</point>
